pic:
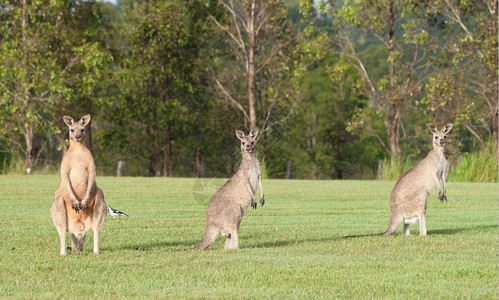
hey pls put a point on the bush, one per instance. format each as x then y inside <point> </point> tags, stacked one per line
<point>481,166</point>
<point>393,169</point>
<point>477,166</point>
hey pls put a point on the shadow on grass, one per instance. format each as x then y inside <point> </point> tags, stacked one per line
<point>174,246</point>
<point>451,231</point>
<point>285,243</point>
<point>185,245</point>
<point>448,231</point>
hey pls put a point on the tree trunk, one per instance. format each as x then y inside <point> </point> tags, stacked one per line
<point>395,100</point>
<point>151,165</point>
<point>379,172</point>
<point>89,128</point>
<point>28,135</point>
<point>121,167</point>
<point>152,157</point>
<point>198,163</point>
<point>169,155</point>
<point>495,120</point>
<point>496,125</point>
<point>393,131</point>
<point>251,64</point>
<point>157,161</point>
<point>171,164</point>
<point>289,169</point>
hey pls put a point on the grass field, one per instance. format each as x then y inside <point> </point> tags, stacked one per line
<point>293,247</point>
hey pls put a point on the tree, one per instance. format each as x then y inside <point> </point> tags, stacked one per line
<point>466,88</point>
<point>43,57</point>
<point>260,41</point>
<point>403,33</point>
<point>159,76</point>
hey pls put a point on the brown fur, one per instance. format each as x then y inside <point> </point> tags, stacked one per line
<point>410,194</point>
<point>229,204</point>
<point>79,204</point>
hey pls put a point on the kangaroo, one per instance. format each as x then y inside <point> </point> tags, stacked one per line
<point>79,204</point>
<point>410,194</point>
<point>229,204</point>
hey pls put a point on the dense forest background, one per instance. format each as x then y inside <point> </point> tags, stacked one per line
<point>339,89</point>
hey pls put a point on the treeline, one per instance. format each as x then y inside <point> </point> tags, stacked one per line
<point>336,88</point>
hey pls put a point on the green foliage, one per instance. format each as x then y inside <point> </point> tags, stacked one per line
<point>393,169</point>
<point>50,61</point>
<point>292,247</point>
<point>145,71</point>
<point>480,166</point>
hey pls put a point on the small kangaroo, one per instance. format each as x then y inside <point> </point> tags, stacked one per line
<point>229,204</point>
<point>79,204</point>
<point>410,194</point>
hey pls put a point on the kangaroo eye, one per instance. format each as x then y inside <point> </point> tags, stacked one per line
<point>72,130</point>
<point>252,143</point>
<point>83,130</point>
<point>244,143</point>
<point>445,137</point>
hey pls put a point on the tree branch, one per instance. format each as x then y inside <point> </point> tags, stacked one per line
<point>233,101</point>
<point>273,54</point>
<point>475,134</point>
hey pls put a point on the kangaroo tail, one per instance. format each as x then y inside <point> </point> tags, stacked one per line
<point>361,235</point>
<point>392,228</point>
<point>209,238</point>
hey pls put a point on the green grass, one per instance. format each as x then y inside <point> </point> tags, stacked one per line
<point>393,169</point>
<point>479,166</point>
<point>293,247</point>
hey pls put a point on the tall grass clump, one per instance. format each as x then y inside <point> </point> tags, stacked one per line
<point>393,169</point>
<point>478,166</point>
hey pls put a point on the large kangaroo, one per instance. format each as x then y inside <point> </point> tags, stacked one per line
<point>410,194</point>
<point>78,205</point>
<point>228,205</point>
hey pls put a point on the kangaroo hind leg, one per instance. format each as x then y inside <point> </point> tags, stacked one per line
<point>59,218</point>
<point>422,224</point>
<point>99,217</point>
<point>228,238</point>
<point>234,237</point>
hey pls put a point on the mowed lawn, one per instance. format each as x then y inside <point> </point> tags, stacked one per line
<point>292,247</point>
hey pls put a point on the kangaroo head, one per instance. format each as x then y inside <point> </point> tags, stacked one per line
<point>439,136</point>
<point>248,142</point>
<point>77,129</point>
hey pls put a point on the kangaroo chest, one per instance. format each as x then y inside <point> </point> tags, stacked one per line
<point>78,165</point>
<point>440,164</point>
<point>251,170</point>
<point>253,177</point>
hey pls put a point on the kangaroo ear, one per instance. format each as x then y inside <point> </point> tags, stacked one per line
<point>254,132</point>
<point>432,127</point>
<point>84,120</point>
<point>447,128</point>
<point>239,134</point>
<point>68,120</point>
